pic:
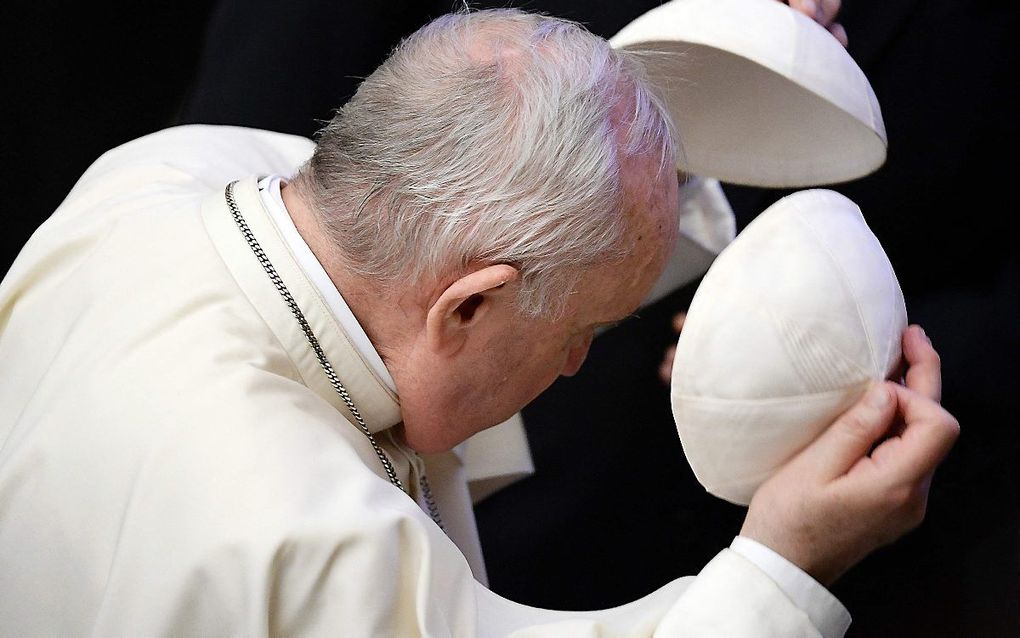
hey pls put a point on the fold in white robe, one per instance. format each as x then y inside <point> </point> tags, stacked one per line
<point>174,460</point>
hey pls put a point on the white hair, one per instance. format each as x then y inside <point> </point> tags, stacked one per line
<point>487,137</point>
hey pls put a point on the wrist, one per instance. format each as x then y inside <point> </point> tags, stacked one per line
<point>826,612</point>
<point>803,554</point>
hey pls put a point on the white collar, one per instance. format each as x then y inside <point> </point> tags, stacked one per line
<point>269,190</point>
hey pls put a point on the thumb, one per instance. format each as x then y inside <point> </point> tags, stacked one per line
<point>853,434</point>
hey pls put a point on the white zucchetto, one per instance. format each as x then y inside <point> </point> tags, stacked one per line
<point>790,326</point>
<point>760,93</point>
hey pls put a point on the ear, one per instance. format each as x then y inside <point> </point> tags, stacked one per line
<point>463,304</point>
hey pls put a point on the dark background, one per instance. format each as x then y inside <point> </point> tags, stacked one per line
<point>613,511</point>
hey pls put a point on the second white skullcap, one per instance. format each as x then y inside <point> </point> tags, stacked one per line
<point>790,326</point>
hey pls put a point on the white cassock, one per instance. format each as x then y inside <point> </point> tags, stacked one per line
<point>175,461</point>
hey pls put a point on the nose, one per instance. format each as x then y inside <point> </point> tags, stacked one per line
<point>576,357</point>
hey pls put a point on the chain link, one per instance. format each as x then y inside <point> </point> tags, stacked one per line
<point>324,363</point>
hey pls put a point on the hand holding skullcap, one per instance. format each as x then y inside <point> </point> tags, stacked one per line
<point>791,325</point>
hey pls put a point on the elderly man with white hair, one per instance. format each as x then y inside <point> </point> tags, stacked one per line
<point>232,397</point>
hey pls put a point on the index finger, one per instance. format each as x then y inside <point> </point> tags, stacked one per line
<point>928,435</point>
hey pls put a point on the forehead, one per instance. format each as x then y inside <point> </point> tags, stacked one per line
<point>650,192</point>
<point>650,210</point>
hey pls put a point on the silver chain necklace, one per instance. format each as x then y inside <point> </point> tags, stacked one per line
<point>324,363</point>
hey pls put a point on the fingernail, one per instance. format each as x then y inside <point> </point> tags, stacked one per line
<point>924,335</point>
<point>810,7</point>
<point>878,397</point>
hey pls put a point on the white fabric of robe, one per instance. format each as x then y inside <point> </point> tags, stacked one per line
<point>174,460</point>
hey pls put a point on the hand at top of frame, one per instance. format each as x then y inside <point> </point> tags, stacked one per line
<point>823,12</point>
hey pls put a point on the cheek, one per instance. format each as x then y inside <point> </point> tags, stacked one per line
<point>538,368</point>
<point>529,366</point>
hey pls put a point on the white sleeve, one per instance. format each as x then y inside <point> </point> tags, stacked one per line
<point>297,535</point>
<point>826,612</point>
<point>730,597</point>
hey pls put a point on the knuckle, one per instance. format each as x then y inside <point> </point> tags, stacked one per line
<point>953,433</point>
<point>908,504</point>
<point>949,425</point>
<point>952,424</point>
<point>915,512</point>
<point>899,498</point>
